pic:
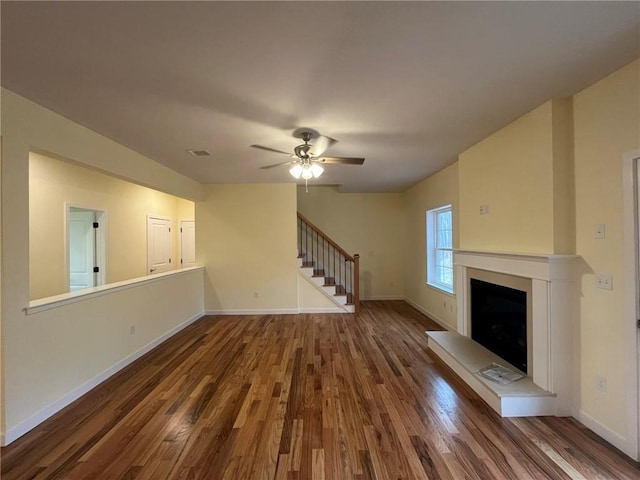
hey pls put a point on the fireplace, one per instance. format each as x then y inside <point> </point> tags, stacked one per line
<point>550,295</point>
<point>499,321</point>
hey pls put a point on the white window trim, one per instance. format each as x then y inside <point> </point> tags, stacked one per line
<point>431,249</point>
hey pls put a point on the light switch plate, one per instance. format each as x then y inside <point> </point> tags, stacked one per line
<point>599,231</point>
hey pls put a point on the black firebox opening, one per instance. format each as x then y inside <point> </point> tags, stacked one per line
<point>499,321</point>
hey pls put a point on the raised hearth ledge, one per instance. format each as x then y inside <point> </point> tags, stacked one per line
<point>553,303</point>
<point>465,357</point>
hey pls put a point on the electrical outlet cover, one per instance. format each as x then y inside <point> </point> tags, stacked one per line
<point>604,281</point>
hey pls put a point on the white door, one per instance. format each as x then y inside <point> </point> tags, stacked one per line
<point>158,245</point>
<point>187,243</point>
<point>82,249</point>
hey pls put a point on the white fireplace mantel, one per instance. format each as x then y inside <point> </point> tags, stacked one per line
<point>553,303</point>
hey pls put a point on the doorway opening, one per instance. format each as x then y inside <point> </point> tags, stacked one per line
<point>86,253</point>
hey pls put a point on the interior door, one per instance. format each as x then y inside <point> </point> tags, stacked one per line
<point>187,243</point>
<point>158,245</point>
<point>82,249</point>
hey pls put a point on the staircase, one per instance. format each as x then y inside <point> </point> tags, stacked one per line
<point>328,266</point>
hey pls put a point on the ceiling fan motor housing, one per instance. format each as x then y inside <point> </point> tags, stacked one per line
<point>308,155</point>
<point>302,151</point>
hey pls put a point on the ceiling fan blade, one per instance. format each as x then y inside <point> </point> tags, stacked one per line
<point>277,164</point>
<point>321,145</point>
<point>343,160</point>
<point>268,149</point>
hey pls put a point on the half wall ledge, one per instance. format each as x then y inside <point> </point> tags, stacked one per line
<point>43,304</point>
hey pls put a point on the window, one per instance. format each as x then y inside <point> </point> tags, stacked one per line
<point>439,248</point>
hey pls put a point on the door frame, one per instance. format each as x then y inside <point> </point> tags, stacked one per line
<point>101,242</point>
<point>631,297</point>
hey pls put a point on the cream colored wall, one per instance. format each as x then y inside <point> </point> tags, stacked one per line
<point>31,363</point>
<point>54,183</point>
<point>438,190</point>
<point>564,221</point>
<point>64,349</point>
<point>185,209</point>
<point>512,172</point>
<point>607,125</point>
<point>369,224</point>
<point>246,239</point>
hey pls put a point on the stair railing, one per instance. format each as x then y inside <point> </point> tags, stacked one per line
<point>330,260</point>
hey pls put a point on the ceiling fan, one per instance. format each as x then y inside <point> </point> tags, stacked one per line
<point>308,158</point>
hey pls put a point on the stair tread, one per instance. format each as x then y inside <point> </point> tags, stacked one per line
<point>320,276</point>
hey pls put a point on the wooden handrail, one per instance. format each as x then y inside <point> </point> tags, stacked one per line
<point>326,237</point>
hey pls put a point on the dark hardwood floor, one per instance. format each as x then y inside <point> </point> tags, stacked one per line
<point>301,397</point>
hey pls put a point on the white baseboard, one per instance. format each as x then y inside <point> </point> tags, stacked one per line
<point>432,316</point>
<point>322,310</point>
<point>615,439</point>
<point>48,411</point>
<point>382,297</point>
<point>275,311</point>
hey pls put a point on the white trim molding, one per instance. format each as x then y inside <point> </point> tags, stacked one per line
<point>274,311</point>
<point>429,314</point>
<point>553,306</point>
<point>630,185</point>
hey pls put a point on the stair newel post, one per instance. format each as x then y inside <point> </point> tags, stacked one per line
<point>347,271</point>
<point>333,263</point>
<point>299,237</point>
<point>313,250</point>
<point>323,267</point>
<point>356,282</point>
<point>333,258</point>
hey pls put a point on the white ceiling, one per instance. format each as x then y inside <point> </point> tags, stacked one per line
<point>408,85</point>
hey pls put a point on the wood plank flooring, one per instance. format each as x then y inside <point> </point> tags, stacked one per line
<point>298,397</point>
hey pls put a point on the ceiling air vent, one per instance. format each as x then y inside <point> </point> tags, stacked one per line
<point>199,153</point>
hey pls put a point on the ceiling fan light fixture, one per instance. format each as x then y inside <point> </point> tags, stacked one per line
<point>316,170</point>
<point>309,157</point>
<point>307,172</point>
<point>296,171</point>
